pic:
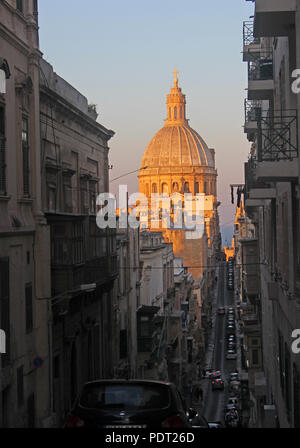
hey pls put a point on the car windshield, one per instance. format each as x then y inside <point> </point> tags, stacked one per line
<point>134,396</point>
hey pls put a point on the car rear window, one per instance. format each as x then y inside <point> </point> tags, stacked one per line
<point>124,396</point>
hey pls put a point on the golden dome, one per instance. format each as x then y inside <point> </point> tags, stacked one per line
<point>177,144</point>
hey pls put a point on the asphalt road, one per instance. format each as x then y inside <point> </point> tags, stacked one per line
<point>216,400</point>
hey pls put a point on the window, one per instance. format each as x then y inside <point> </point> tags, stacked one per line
<point>175,187</point>
<point>77,243</point>
<point>175,113</point>
<point>154,188</point>
<point>31,411</point>
<point>56,367</point>
<point>20,386</point>
<point>4,307</point>
<point>67,191</point>
<point>164,188</point>
<point>144,334</point>
<point>59,245</point>
<point>20,5</point>
<point>186,187</point>
<point>123,343</point>
<point>98,241</point>
<point>255,358</point>
<point>25,151</point>
<point>84,196</point>
<point>2,152</point>
<point>28,308</point>
<point>196,187</point>
<point>93,196</point>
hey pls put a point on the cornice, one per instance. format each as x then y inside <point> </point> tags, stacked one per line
<point>12,39</point>
<point>59,101</point>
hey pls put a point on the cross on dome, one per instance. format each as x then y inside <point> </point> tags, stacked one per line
<point>175,77</point>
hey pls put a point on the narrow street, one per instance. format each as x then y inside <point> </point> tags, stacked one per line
<point>216,400</point>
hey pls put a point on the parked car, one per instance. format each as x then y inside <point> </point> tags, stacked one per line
<point>233,376</point>
<point>234,401</point>
<point>213,373</point>
<point>196,420</point>
<point>221,310</point>
<point>234,387</point>
<point>231,354</point>
<point>128,404</point>
<point>217,384</point>
<point>230,329</point>
<point>215,425</point>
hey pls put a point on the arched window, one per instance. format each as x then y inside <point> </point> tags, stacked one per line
<point>154,188</point>
<point>175,187</point>
<point>175,113</point>
<point>164,188</point>
<point>186,187</point>
<point>147,189</point>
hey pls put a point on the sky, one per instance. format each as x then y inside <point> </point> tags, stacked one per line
<point>122,54</point>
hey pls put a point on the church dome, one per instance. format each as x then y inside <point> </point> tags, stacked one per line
<point>176,145</point>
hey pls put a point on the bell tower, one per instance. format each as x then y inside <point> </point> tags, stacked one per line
<point>176,105</point>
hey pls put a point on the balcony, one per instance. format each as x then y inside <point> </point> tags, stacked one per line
<point>277,136</point>
<point>252,114</point>
<point>99,270</point>
<point>250,43</point>
<point>260,75</point>
<point>274,17</point>
<point>250,260</point>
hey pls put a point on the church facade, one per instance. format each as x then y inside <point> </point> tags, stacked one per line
<point>177,161</point>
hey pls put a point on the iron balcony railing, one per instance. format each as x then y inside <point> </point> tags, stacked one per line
<point>248,34</point>
<point>260,66</point>
<point>2,166</point>
<point>277,135</point>
<point>252,109</point>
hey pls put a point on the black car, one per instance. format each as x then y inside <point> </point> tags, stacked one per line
<point>128,404</point>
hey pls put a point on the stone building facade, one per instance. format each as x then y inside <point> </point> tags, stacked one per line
<point>24,234</point>
<point>74,161</point>
<point>271,49</point>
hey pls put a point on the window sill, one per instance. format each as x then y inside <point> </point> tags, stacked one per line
<point>25,201</point>
<point>4,198</point>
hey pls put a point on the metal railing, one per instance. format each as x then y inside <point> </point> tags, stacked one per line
<point>248,34</point>
<point>252,108</point>
<point>260,66</point>
<point>277,136</point>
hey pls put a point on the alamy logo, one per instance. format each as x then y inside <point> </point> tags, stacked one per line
<point>296,342</point>
<point>2,342</point>
<point>296,83</point>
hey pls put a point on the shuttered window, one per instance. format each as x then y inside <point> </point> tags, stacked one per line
<point>25,155</point>
<point>28,308</point>
<point>4,306</point>
<point>2,152</point>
